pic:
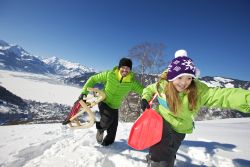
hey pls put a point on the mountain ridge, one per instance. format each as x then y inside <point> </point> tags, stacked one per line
<point>15,58</point>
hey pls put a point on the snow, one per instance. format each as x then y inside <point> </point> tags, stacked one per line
<point>215,143</point>
<point>222,79</point>
<point>37,87</point>
<point>67,64</point>
<point>213,84</point>
<point>4,109</point>
<point>65,67</point>
<point>229,85</point>
<point>2,64</point>
<point>220,143</point>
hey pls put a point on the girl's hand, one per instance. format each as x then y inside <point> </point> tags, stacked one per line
<point>144,104</point>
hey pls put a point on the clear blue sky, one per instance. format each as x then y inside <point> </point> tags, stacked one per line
<point>97,33</point>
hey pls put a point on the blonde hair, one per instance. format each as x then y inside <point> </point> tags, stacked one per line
<point>172,97</point>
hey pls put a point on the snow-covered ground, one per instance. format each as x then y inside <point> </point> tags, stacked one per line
<point>217,143</point>
<point>220,143</point>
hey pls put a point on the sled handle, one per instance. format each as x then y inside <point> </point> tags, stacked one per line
<point>151,101</point>
<point>101,96</point>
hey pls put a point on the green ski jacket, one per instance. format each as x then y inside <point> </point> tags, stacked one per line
<point>182,122</point>
<point>115,88</point>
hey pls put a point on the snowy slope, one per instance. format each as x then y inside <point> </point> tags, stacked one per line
<point>220,143</point>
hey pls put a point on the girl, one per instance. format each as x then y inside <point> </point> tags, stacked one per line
<point>180,98</point>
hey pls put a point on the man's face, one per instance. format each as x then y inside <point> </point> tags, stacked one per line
<point>124,70</point>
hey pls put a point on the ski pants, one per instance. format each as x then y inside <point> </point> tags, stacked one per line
<point>167,148</point>
<point>108,121</point>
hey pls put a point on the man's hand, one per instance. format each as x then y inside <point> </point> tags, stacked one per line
<point>82,97</point>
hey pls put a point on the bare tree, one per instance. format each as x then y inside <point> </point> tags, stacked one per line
<point>148,58</point>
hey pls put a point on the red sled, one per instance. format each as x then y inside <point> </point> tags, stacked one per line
<point>146,131</point>
<point>80,108</point>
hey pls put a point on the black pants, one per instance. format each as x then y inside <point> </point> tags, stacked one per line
<point>108,121</point>
<point>167,148</point>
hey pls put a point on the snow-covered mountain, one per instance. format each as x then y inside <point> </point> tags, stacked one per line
<point>225,82</point>
<point>67,68</point>
<point>15,58</point>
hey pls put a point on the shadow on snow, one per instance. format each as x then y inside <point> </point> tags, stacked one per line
<point>210,148</point>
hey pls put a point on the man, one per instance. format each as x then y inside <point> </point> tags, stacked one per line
<point>117,85</point>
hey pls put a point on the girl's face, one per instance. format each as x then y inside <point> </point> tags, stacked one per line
<point>124,70</point>
<point>182,83</point>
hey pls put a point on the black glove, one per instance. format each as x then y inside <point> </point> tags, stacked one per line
<point>82,97</point>
<point>144,104</point>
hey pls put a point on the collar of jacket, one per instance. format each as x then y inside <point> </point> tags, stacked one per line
<point>127,78</point>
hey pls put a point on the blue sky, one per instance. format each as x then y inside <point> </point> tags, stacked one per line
<point>97,33</point>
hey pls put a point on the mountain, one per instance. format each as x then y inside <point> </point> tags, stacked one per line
<point>225,82</point>
<point>13,108</point>
<point>67,68</point>
<point>15,58</point>
<point>7,96</point>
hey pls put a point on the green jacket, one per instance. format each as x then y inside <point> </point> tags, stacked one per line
<point>114,88</point>
<point>182,122</point>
